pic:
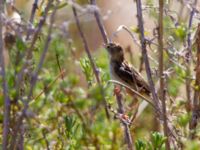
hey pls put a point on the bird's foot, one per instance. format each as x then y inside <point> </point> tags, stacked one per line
<point>117,90</point>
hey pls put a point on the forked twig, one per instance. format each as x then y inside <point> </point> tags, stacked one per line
<point>87,50</point>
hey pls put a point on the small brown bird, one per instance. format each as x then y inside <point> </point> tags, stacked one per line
<point>121,71</point>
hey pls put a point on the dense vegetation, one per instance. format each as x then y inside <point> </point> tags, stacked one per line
<point>56,92</point>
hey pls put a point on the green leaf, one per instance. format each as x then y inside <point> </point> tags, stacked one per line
<point>180,32</point>
<point>183,119</point>
<point>140,145</point>
<point>95,93</point>
<point>70,124</point>
<point>87,69</point>
<point>21,46</point>
<point>157,140</point>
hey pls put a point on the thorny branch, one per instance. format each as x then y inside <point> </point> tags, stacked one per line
<point>96,73</point>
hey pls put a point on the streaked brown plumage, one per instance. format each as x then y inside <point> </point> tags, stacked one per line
<point>121,71</point>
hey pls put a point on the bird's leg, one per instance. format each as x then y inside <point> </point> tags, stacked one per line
<point>135,102</point>
<point>140,88</point>
<point>117,90</point>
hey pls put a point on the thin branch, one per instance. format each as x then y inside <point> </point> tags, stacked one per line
<point>34,77</point>
<point>127,133</point>
<point>30,49</point>
<point>196,100</point>
<point>161,73</point>
<point>87,50</point>
<point>100,24</point>
<point>129,32</point>
<point>34,7</point>
<point>145,55</point>
<point>188,57</point>
<point>42,58</point>
<point>135,92</point>
<point>6,117</point>
<point>61,74</point>
<point>148,69</point>
<point>122,117</point>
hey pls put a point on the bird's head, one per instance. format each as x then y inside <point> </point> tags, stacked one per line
<point>115,51</point>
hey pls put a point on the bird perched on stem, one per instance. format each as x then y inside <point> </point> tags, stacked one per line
<point>121,71</point>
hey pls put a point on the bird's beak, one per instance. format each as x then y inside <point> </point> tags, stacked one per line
<point>106,47</point>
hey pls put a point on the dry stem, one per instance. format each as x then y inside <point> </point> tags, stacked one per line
<point>87,50</point>
<point>161,74</point>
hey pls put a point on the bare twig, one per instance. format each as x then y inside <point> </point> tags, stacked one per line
<point>145,55</point>
<point>34,7</point>
<point>129,32</point>
<point>135,92</point>
<point>127,133</point>
<point>34,78</point>
<point>196,100</point>
<point>43,55</point>
<point>6,117</point>
<point>100,24</point>
<point>61,74</point>
<point>30,49</point>
<point>161,73</point>
<point>96,73</point>
<point>188,57</point>
<point>148,69</point>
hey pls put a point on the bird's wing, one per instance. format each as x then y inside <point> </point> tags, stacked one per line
<point>130,76</point>
<point>123,73</point>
